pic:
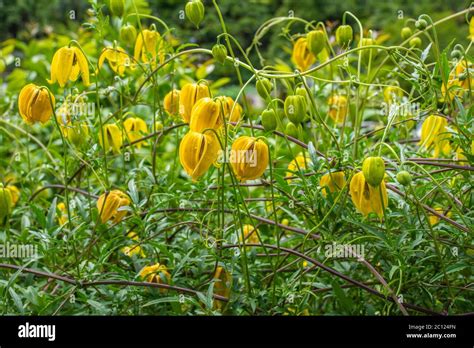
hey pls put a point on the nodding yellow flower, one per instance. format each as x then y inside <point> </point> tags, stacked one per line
<point>189,95</point>
<point>34,104</point>
<point>458,77</point>
<point>6,204</point>
<point>227,104</point>
<point>171,102</point>
<point>133,249</point>
<point>392,94</point>
<point>68,63</point>
<point>15,193</point>
<point>250,234</point>
<point>197,152</point>
<point>62,213</point>
<point>460,154</point>
<point>135,128</point>
<point>113,138</point>
<point>205,115</point>
<point>471,29</point>
<point>338,107</point>
<point>297,164</point>
<point>111,204</point>
<point>434,219</point>
<point>302,56</point>
<point>434,132</point>
<point>222,285</point>
<point>366,198</point>
<point>156,273</point>
<point>333,182</point>
<point>249,157</point>
<point>149,44</point>
<point>117,58</point>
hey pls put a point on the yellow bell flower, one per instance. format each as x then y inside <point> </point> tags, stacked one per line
<point>62,215</point>
<point>366,198</point>
<point>338,107</point>
<point>133,249</point>
<point>302,56</point>
<point>171,102</point>
<point>117,58</point>
<point>458,77</point>
<point>68,63</point>
<point>113,138</point>
<point>471,29</point>
<point>189,95</point>
<point>434,132</point>
<point>15,193</point>
<point>460,156</point>
<point>205,115</point>
<point>249,157</point>
<point>434,219</point>
<point>111,204</point>
<point>227,103</point>
<point>333,182</point>
<point>250,234</point>
<point>156,273</point>
<point>222,285</point>
<point>6,204</point>
<point>34,104</point>
<point>297,164</point>
<point>149,43</point>
<point>135,128</point>
<point>197,152</point>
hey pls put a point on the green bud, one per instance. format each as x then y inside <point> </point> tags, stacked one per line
<point>456,54</point>
<point>406,33</point>
<point>6,204</point>
<point>374,170</point>
<point>291,130</point>
<point>344,35</point>
<point>415,42</point>
<point>194,10</point>
<point>295,108</point>
<point>269,120</point>
<point>117,7</point>
<point>404,178</point>
<point>316,40</point>
<point>421,24</point>
<point>264,87</point>
<point>128,34</point>
<point>219,52</point>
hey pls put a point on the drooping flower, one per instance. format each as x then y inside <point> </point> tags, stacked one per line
<point>171,102</point>
<point>228,106</point>
<point>34,104</point>
<point>367,198</point>
<point>299,163</point>
<point>197,152</point>
<point>205,115</point>
<point>135,249</point>
<point>332,182</point>
<point>249,157</point>
<point>434,133</point>
<point>250,234</point>
<point>302,56</point>
<point>434,219</point>
<point>117,58</point>
<point>156,273</point>
<point>222,284</point>
<point>62,213</point>
<point>189,95</point>
<point>338,107</point>
<point>68,63</point>
<point>149,44</point>
<point>135,128</point>
<point>113,138</point>
<point>111,206</point>
<point>459,81</point>
<point>15,193</point>
<point>6,204</point>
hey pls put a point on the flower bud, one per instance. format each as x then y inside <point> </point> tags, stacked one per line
<point>194,10</point>
<point>117,7</point>
<point>219,52</point>
<point>6,204</point>
<point>264,87</point>
<point>291,130</point>
<point>171,102</point>
<point>111,204</point>
<point>128,34</point>
<point>269,120</point>
<point>404,178</point>
<point>456,54</point>
<point>415,42</point>
<point>421,24</point>
<point>406,33</point>
<point>77,133</point>
<point>374,170</point>
<point>316,40</point>
<point>295,108</point>
<point>249,158</point>
<point>344,35</point>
